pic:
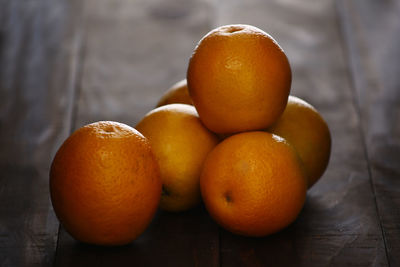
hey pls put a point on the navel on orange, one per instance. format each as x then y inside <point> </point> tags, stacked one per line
<point>253,184</point>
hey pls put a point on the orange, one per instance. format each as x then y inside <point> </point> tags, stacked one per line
<point>253,184</point>
<point>181,144</point>
<point>105,184</point>
<point>177,93</point>
<point>303,127</point>
<point>239,79</point>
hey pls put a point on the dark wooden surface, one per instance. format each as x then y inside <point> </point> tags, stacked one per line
<point>65,63</point>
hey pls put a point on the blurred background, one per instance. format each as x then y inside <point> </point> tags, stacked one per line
<point>66,63</point>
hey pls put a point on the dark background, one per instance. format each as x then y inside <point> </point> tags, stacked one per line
<point>65,63</point>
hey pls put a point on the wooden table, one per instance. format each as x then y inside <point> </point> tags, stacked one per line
<point>65,63</point>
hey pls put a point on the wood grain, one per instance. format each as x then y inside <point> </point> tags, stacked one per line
<point>182,239</point>
<point>372,40</point>
<point>39,46</point>
<point>64,64</point>
<point>135,51</point>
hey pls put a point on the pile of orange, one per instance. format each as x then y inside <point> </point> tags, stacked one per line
<point>229,135</point>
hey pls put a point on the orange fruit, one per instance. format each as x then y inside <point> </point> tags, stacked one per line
<point>239,79</point>
<point>177,93</point>
<point>105,183</point>
<point>304,128</point>
<point>253,184</point>
<point>181,143</point>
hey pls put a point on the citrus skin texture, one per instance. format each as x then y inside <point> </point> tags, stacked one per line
<point>105,184</point>
<point>176,94</point>
<point>239,79</point>
<point>253,184</point>
<point>181,143</point>
<point>304,128</point>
